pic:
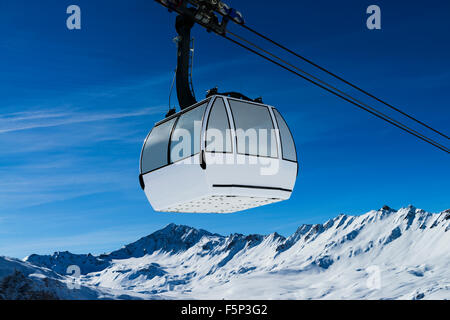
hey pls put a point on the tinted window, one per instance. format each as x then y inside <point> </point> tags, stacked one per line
<point>218,134</point>
<point>185,140</point>
<point>154,154</point>
<point>287,142</point>
<point>254,129</point>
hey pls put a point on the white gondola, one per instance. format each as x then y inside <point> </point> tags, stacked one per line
<point>220,155</point>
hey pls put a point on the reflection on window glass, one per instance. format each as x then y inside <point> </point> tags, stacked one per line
<point>185,140</point>
<point>154,154</point>
<point>254,129</point>
<point>218,134</point>
<point>287,142</point>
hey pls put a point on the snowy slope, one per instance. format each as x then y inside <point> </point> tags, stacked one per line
<point>21,280</point>
<point>383,254</point>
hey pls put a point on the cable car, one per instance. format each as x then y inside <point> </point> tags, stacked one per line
<point>220,155</point>
<point>224,154</point>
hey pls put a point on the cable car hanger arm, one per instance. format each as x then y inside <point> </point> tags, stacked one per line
<point>185,93</point>
<point>203,13</point>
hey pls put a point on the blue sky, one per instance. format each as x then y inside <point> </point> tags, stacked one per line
<point>76,106</point>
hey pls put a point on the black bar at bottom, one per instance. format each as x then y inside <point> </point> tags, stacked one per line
<point>222,309</point>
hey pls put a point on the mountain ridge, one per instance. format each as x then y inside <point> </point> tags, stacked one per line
<point>408,244</point>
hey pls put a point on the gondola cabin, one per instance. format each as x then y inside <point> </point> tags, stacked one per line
<point>220,155</point>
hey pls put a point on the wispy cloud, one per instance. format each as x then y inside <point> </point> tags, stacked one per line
<point>43,119</point>
<point>61,161</point>
<point>46,178</point>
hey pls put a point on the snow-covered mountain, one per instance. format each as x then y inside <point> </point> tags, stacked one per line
<point>21,280</point>
<point>383,254</point>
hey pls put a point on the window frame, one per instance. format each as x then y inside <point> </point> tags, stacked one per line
<point>229,126</point>
<point>204,102</point>
<point>271,119</point>
<point>281,140</point>
<point>176,117</point>
<point>145,143</point>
